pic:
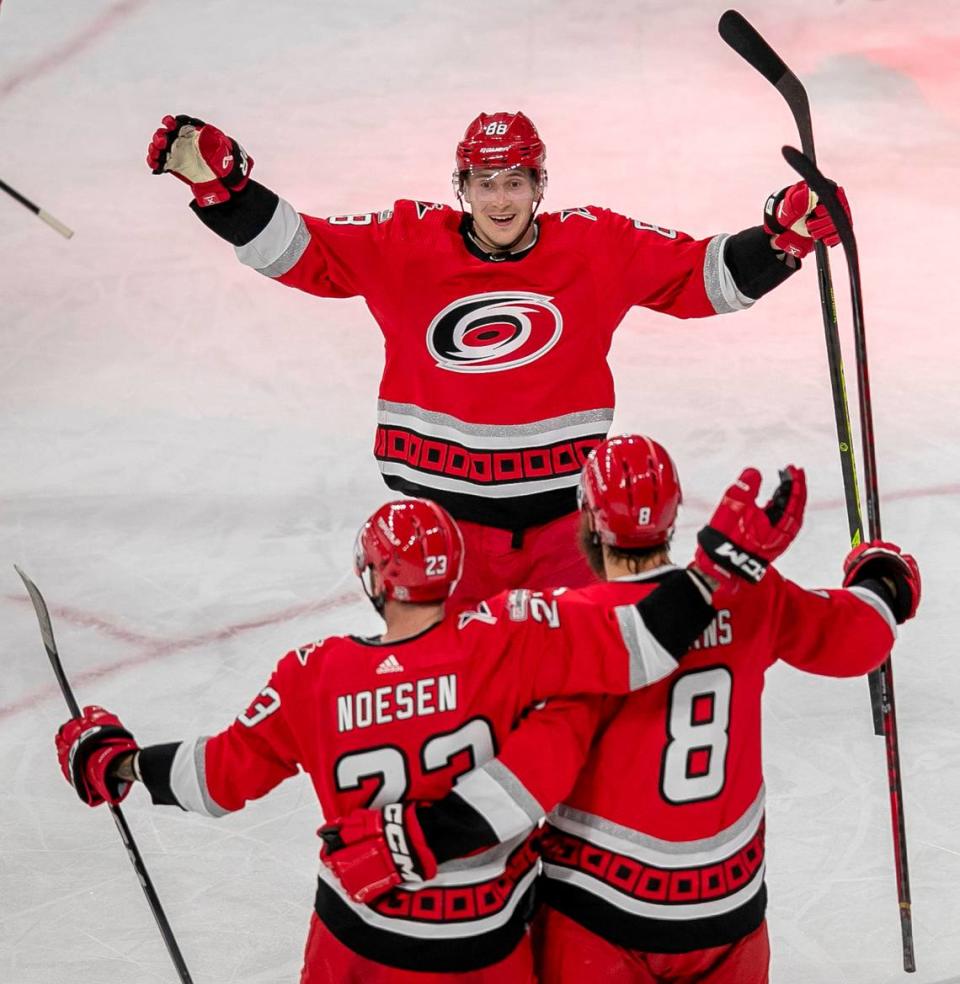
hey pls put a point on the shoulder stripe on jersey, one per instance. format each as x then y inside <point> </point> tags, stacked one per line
<point>500,798</point>
<point>877,604</point>
<point>722,291</point>
<point>653,850</point>
<point>649,661</point>
<point>655,910</point>
<point>583,423</point>
<point>188,780</point>
<point>282,242</point>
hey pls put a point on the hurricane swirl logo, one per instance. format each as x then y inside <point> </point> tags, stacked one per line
<point>493,332</point>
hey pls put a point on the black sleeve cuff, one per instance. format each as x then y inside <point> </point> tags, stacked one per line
<point>453,829</point>
<point>677,613</point>
<point>888,597</point>
<point>242,217</point>
<point>155,763</point>
<point>756,269</point>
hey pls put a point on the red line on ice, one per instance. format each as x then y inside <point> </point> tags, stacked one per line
<point>154,648</point>
<point>72,46</point>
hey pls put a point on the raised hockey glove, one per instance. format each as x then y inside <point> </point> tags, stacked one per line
<point>214,165</point>
<point>897,571</point>
<point>373,851</point>
<point>87,748</point>
<point>743,538</point>
<point>795,221</point>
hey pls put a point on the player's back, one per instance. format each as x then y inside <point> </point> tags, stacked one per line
<point>660,845</point>
<point>401,721</point>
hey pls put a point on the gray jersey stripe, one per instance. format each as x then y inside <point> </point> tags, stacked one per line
<point>188,780</point>
<point>722,291</point>
<point>581,823</point>
<point>649,661</point>
<point>278,246</point>
<point>598,420</point>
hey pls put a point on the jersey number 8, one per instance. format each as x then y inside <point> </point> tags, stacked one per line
<point>698,721</point>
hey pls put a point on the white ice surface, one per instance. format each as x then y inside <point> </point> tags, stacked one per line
<point>185,447</point>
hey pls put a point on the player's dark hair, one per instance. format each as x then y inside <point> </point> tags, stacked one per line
<point>635,557</point>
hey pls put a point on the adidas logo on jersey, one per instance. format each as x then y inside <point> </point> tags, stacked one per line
<point>390,665</point>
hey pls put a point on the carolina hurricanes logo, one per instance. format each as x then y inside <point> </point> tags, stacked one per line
<point>493,332</point>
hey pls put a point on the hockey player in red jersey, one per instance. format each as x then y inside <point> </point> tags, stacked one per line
<point>496,321</point>
<point>654,859</point>
<point>372,721</point>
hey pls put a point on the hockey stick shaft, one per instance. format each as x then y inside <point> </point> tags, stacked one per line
<point>51,220</point>
<point>826,192</point>
<point>744,38</point>
<point>133,852</point>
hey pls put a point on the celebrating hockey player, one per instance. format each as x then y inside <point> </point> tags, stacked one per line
<point>373,721</point>
<point>496,321</point>
<point>654,860</point>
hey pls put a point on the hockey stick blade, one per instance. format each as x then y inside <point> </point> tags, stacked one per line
<point>46,631</point>
<point>133,852</point>
<point>826,192</point>
<point>748,43</point>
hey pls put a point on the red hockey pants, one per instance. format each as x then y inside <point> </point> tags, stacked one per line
<point>566,953</point>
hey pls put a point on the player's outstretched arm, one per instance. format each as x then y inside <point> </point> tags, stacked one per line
<point>849,631</point>
<point>372,851</point>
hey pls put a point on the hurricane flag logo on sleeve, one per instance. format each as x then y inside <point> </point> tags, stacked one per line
<point>495,331</point>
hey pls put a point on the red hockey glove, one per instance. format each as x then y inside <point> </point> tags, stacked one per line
<point>87,747</point>
<point>795,220</point>
<point>743,538</point>
<point>214,165</point>
<point>372,851</point>
<point>886,562</point>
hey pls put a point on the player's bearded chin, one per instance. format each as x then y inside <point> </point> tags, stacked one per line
<point>590,547</point>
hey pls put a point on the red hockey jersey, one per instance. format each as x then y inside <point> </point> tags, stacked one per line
<point>373,723</point>
<point>660,844</point>
<point>496,384</point>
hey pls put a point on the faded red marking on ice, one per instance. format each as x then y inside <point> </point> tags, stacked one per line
<point>72,46</point>
<point>154,648</point>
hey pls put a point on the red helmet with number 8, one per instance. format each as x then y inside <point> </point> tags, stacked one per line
<point>416,548</point>
<point>630,491</point>
<point>501,140</point>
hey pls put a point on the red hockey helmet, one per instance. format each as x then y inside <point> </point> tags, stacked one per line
<point>416,548</point>
<point>501,140</point>
<point>630,490</point>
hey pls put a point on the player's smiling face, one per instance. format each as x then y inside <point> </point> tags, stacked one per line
<point>502,203</point>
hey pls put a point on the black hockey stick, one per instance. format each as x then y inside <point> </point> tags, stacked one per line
<point>133,852</point>
<point>747,42</point>
<point>40,213</point>
<point>826,192</point>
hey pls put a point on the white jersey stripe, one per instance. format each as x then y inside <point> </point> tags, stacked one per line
<point>649,661</point>
<point>651,850</point>
<point>278,246</point>
<point>585,423</point>
<point>487,794</point>
<point>188,780</point>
